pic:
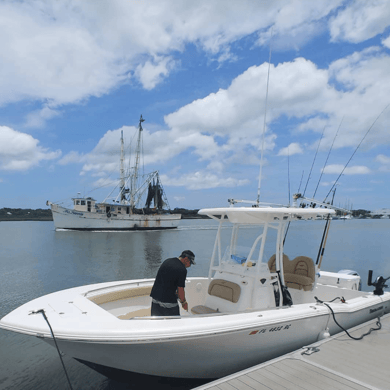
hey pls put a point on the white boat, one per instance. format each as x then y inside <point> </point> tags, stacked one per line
<point>124,212</point>
<point>239,316</point>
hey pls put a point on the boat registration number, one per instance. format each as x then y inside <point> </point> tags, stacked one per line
<point>273,329</point>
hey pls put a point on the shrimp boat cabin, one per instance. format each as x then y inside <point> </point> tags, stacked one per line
<point>255,304</point>
<point>126,211</point>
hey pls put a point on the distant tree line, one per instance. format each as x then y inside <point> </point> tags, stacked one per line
<point>188,214</point>
<point>7,214</point>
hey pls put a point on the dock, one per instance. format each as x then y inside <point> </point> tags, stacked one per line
<point>337,362</point>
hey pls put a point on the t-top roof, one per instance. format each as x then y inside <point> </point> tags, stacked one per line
<point>257,215</point>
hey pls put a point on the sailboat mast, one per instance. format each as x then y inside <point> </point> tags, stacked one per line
<point>136,165</point>
<point>122,171</point>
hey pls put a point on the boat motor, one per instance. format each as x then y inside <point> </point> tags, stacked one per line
<point>379,283</point>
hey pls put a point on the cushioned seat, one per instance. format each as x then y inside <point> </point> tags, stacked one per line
<point>298,273</point>
<point>200,309</point>
<point>272,260</point>
<point>223,289</point>
<point>301,273</point>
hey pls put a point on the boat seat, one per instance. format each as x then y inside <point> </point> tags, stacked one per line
<point>224,289</point>
<point>298,273</point>
<point>121,294</point>
<point>272,261</point>
<point>301,274</point>
<point>200,309</point>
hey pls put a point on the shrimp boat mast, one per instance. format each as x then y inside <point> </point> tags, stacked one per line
<point>123,212</point>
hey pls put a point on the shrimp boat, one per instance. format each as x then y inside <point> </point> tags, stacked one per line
<point>124,211</point>
<point>255,304</point>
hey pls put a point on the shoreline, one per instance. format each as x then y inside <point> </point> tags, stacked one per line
<point>18,215</point>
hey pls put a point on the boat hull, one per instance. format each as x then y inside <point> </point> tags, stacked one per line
<point>226,353</point>
<point>92,329</point>
<point>65,218</point>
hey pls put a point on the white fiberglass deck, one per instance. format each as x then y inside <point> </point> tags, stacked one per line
<point>334,363</point>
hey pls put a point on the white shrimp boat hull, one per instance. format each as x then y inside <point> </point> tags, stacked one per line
<point>187,346</point>
<point>65,218</point>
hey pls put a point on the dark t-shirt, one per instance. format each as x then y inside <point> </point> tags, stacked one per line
<point>171,275</point>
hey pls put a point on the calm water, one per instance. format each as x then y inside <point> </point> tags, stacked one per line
<point>35,260</point>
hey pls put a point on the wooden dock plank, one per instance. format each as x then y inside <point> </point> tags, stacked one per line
<point>253,383</point>
<point>320,378</point>
<point>339,364</point>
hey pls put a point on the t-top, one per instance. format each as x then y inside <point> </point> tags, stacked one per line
<point>171,275</point>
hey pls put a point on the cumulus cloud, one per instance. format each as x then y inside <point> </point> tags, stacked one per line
<point>383,159</point>
<point>360,20</point>
<point>354,170</point>
<point>224,129</point>
<point>72,158</point>
<point>290,150</point>
<point>67,51</point>
<point>152,73</point>
<point>203,180</point>
<point>20,151</point>
<point>386,42</point>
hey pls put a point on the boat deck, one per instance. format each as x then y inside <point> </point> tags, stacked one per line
<point>337,362</point>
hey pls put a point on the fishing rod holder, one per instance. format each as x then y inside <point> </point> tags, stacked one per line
<point>379,283</point>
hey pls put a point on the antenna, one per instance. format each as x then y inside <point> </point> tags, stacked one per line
<point>288,175</point>
<point>265,123</point>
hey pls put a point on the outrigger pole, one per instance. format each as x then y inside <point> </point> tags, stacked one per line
<point>264,126</point>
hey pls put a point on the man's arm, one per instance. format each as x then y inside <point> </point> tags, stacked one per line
<point>182,296</point>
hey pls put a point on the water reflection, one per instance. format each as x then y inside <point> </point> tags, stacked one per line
<point>153,252</point>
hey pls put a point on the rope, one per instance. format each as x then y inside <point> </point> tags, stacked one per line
<point>378,322</point>
<point>55,342</point>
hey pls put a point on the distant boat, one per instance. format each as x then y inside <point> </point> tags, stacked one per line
<point>124,212</point>
<point>347,216</point>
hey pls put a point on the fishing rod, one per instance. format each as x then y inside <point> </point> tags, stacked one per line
<point>312,165</point>
<point>288,176</point>
<point>265,123</point>
<point>327,157</point>
<point>356,150</point>
<point>300,183</point>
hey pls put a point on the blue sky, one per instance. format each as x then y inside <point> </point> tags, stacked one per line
<point>73,74</point>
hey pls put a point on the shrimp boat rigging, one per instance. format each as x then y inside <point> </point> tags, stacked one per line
<point>124,212</point>
<point>254,305</point>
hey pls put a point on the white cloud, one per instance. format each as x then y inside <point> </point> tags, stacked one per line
<point>152,73</point>
<point>227,127</point>
<point>20,151</point>
<point>72,158</point>
<point>38,118</point>
<point>386,42</point>
<point>360,20</point>
<point>203,180</point>
<point>382,159</point>
<point>355,170</point>
<point>67,51</point>
<point>296,22</point>
<point>290,150</point>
